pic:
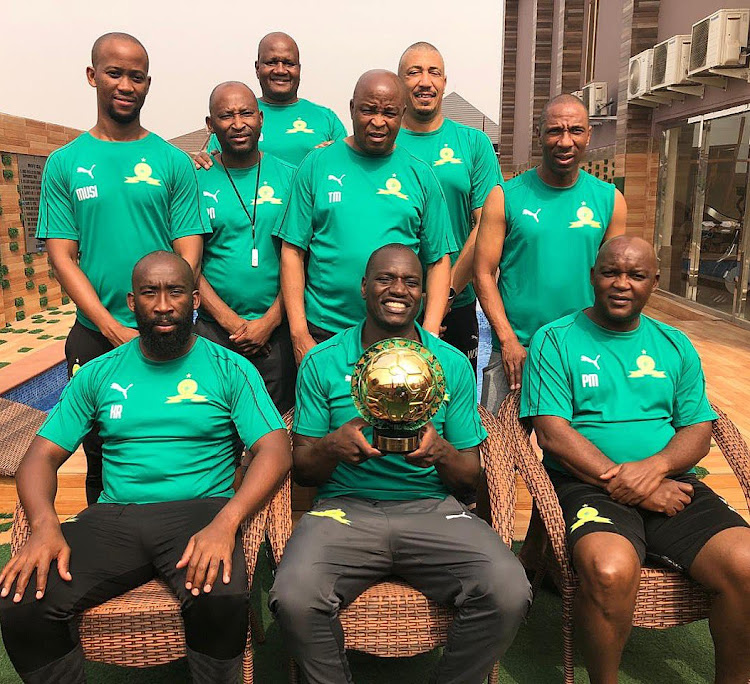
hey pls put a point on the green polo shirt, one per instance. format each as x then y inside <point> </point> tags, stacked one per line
<point>169,428</point>
<point>551,241</point>
<point>343,206</point>
<point>324,404</point>
<point>466,166</point>
<point>118,201</point>
<point>626,392</point>
<point>227,254</point>
<point>291,131</point>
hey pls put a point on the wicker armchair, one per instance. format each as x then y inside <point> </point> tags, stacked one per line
<point>665,598</point>
<point>18,425</point>
<point>143,627</point>
<point>391,619</point>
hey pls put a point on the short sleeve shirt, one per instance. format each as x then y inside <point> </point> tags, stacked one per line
<point>343,206</point>
<point>227,254</point>
<point>291,131</point>
<point>466,166</point>
<point>169,428</point>
<point>626,392</point>
<point>551,241</point>
<point>119,201</point>
<point>324,404</point>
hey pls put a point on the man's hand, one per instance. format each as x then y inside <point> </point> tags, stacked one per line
<point>302,344</point>
<point>118,334</point>
<point>349,445</point>
<point>203,159</point>
<point>251,337</point>
<point>205,550</point>
<point>432,448</point>
<point>670,497</point>
<point>44,546</point>
<point>631,483</point>
<point>514,356</point>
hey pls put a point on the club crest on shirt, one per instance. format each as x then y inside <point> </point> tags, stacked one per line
<point>143,174</point>
<point>393,187</point>
<point>447,156</point>
<point>186,391</point>
<point>585,216</point>
<point>265,195</point>
<point>646,367</point>
<point>300,126</point>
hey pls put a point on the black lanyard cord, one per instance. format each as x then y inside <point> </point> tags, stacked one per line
<point>239,197</point>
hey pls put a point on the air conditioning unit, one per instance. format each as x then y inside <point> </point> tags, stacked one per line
<point>578,94</point>
<point>639,74</point>
<point>594,97</point>
<point>719,41</point>
<point>670,63</point>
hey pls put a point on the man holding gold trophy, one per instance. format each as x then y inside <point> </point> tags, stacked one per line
<point>386,503</point>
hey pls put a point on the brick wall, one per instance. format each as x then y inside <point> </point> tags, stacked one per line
<point>28,285</point>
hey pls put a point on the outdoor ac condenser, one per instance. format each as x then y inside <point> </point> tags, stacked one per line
<point>578,94</point>
<point>594,96</point>
<point>670,62</point>
<point>639,74</point>
<point>719,41</point>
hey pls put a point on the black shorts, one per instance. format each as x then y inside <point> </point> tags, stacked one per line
<point>674,541</point>
<point>462,331</point>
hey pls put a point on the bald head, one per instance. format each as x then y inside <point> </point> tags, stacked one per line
<point>277,40</point>
<point>278,68</point>
<point>381,81</point>
<point>637,249</point>
<point>387,253</point>
<point>377,108</point>
<point>232,90</point>
<point>163,262</point>
<point>102,42</point>
<point>420,46</point>
<point>562,102</point>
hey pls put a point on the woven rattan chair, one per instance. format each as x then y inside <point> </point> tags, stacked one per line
<point>18,425</point>
<point>666,598</point>
<point>143,627</point>
<point>391,619</point>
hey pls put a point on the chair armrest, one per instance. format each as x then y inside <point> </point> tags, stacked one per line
<point>734,449</point>
<point>18,426</point>
<point>279,526</point>
<point>536,479</point>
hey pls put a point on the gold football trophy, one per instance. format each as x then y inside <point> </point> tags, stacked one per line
<point>398,385</point>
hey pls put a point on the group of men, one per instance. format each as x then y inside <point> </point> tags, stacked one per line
<point>299,247</point>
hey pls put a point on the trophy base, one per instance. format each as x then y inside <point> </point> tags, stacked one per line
<point>395,441</point>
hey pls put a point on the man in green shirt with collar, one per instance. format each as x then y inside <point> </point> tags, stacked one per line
<point>619,407</point>
<point>542,229</point>
<point>109,197</point>
<point>347,200</point>
<point>246,192</point>
<point>465,163</point>
<point>293,125</point>
<point>380,514</point>
<point>171,408</point>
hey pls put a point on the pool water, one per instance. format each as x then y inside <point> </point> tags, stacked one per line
<point>42,391</point>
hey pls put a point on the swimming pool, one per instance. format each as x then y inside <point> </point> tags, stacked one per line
<point>43,390</point>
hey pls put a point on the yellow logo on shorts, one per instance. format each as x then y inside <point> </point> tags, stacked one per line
<point>300,126</point>
<point>646,367</point>
<point>447,156</point>
<point>588,514</point>
<point>585,218</point>
<point>334,513</point>
<point>266,195</point>
<point>393,187</point>
<point>186,391</point>
<point>143,174</point>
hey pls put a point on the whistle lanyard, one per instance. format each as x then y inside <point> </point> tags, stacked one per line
<point>254,253</point>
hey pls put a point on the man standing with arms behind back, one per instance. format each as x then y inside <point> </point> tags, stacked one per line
<point>543,228</point>
<point>464,162</point>
<point>108,198</point>
<point>292,125</point>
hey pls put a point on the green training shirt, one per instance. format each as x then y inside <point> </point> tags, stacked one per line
<point>343,206</point>
<point>626,392</point>
<point>227,254</point>
<point>119,201</point>
<point>291,131</point>
<point>169,428</point>
<point>324,404</point>
<point>466,165</point>
<point>551,241</point>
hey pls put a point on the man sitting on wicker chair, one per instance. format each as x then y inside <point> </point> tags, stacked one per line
<point>619,407</point>
<point>171,407</point>
<point>380,514</point>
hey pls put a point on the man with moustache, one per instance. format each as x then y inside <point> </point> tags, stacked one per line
<point>381,514</point>
<point>618,403</point>
<point>347,200</point>
<point>245,193</point>
<point>170,407</point>
<point>292,125</point>
<point>543,228</point>
<point>109,197</point>
<point>465,163</point>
